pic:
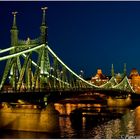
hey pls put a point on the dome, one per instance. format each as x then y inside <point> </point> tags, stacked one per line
<point>134,72</point>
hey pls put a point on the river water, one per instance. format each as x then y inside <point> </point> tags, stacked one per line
<point>117,122</point>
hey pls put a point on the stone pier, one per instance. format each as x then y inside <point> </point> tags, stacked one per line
<point>30,119</point>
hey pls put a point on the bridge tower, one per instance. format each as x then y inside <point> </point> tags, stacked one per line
<point>112,70</point>
<point>14,42</point>
<point>12,63</point>
<point>14,31</point>
<point>45,62</point>
<point>20,71</point>
<point>43,27</point>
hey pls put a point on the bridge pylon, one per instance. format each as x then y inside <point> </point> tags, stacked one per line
<point>19,70</point>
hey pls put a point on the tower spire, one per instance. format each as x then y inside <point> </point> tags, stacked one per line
<point>124,69</point>
<point>112,70</point>
<point>14,31</point>
<point>14,20</point>
<point>43,27</point>
<point>44,15</point>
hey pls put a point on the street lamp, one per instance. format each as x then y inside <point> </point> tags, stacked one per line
<point>81,73</point>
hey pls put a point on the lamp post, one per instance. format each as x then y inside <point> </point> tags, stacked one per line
<point>81,73</point>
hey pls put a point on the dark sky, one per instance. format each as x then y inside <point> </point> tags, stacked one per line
<point>85,35</point>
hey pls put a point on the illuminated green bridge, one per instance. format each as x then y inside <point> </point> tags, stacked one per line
<point>31,66</point>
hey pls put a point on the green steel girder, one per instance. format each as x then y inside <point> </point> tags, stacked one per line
<point>15,73</point>
<point>18,63</point>
<point>37,70</point>
<point>71,80</point>
<point>55,67</point>
<point>45,67</point>
<point>64,76</point>
<point>28,76</point>
<point>6,71</point>
<point>22,72</point>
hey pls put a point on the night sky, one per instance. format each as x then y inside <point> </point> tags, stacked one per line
<point>85,35</point>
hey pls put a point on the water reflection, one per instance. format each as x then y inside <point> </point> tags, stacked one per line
<point>115,122</point>
<point>118,123</point>
<point>8,134</point>
<point>67,108</point>
<point>136,118</point>
<point>119,102</point>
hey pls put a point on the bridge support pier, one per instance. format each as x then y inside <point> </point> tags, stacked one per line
<point>50,117</point>
<point>30,119</point>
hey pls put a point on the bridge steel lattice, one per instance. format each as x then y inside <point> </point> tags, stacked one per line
<point>31,65</point>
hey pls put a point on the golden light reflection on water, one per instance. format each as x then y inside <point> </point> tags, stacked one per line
<point>119,102</point>
<point>66,109</point>
<point>83,122</point>
<point>137,120</point>
<point>126,125</point>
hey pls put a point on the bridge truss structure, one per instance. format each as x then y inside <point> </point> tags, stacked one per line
<point>31,65</point>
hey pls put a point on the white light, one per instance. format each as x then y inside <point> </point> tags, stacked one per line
<point>20,53</point>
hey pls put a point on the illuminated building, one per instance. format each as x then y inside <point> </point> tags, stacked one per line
<point>99,78</point>
<point>133,72</point>
<point>135,79</point>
